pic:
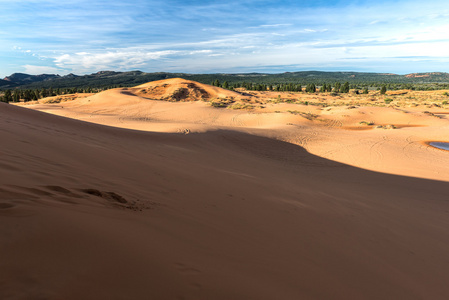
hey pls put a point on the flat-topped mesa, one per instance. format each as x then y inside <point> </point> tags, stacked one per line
<point>178,89</point>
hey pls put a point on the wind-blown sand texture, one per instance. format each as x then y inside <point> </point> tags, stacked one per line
<point>200,202</point>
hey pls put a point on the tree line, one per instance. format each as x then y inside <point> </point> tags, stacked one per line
<point>291,87</point>
<point>17,94</point>
<point>26,95</point>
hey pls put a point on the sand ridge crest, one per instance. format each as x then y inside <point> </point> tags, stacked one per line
<point>178,89</point>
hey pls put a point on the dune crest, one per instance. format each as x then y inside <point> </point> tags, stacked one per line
<point>178,89</point>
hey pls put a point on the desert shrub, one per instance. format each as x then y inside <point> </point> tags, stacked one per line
<point>308,116</point>
<point>242,106</point>
<point>366,123</point>
<point>388,100</point>
<point>218,104</point>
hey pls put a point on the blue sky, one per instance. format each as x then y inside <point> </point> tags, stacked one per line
<point>86,36</point>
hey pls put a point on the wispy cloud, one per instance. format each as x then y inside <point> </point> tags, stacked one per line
<point>86,36</point>
<point>120,60</point>
<point>35,70</point>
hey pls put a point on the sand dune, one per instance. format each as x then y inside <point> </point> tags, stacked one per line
<point>178,89</point>
<point>229,211</point>
<point>358,135</point>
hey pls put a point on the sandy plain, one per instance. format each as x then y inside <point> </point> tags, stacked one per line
<point>178,190</point>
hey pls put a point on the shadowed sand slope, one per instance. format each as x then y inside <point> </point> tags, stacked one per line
<point>95,212</point>
<point>385,139</point>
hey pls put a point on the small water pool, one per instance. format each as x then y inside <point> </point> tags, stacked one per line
<point>440,145</point>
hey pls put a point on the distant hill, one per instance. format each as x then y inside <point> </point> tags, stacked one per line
<point>133,78</point>
<point>22,79</point>
<point>6,83</point>
<point>431,75</point>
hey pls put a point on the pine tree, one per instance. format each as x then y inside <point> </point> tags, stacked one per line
<point>7,97</point>
<point>383,90</point>
<point>311,88</point>
<point>36,95</point>
<point>345,88</point>
<point>16,96</point>
<point>44,93</point>
<point>27,96</point>
<point>337,87</point>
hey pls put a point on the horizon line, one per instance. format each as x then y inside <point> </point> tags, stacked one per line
<point>232,73</point>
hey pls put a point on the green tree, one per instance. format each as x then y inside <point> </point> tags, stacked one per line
<point>44,92</point>
<point>36,95</point>
<point>345,88</point>
<point>27,96</point>
<point>311,88</point>
<point>383,90</point>
<point>337,87</point>
<point>7,97</point>
<point>16,96</point>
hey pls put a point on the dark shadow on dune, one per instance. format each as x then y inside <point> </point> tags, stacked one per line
<point>261,218</point>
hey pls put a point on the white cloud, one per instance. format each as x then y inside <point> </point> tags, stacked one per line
<point>65,35</point>
<point>123,59</point>
<point>271,25</point>
<point>36,70</point>
<point>200,52</point>
<point>314,30</point>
